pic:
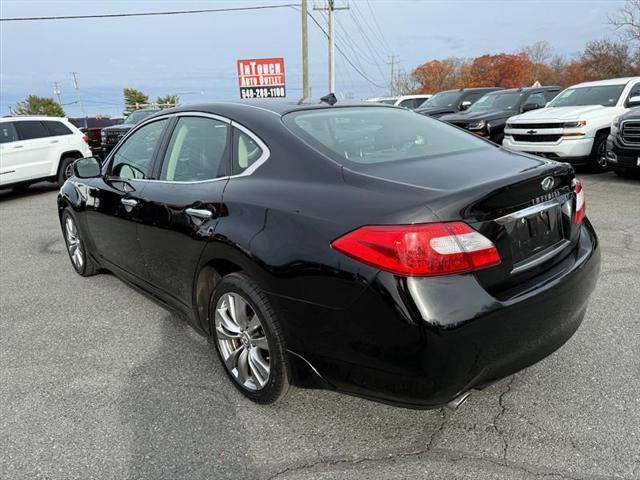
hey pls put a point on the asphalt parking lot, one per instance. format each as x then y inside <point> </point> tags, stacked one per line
<point>97,381</point>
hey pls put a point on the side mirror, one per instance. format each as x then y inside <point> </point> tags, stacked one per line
<point>464,105</point>
<point>634,102</point>
<point>527,107</point>
<point>87,167</point>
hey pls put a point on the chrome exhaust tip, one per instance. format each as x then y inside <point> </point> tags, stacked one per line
<point>459,400</point>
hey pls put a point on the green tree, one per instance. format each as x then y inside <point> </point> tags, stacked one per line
<point>35,105</point>
<point>134,99</point>
<point>168,101</point>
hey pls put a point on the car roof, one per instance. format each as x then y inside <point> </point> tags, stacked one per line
<point>32,117</point>
<point>527,89</point>
<point>473,89</point>
<point>275,106</point>
<point>611,81</point>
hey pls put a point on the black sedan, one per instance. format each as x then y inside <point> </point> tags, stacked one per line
<point>362,248</point>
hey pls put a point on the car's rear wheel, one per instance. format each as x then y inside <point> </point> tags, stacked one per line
<point>249,340</point>
<point>82,263</point>
<point>599,153</point>
<point>66,169</point>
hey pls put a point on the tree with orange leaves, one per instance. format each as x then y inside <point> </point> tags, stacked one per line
<point>502,70</point>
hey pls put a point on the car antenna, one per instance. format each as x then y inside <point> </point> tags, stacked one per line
<point>331,99</point>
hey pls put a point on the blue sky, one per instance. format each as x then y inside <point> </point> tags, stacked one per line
<point>195,55</point>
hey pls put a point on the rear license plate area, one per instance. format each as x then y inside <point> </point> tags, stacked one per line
<point>532,235</point>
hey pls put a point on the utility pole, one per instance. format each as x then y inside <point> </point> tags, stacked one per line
<point>77,85</point>
<point>305,53</point>
<point>57,91</point>
<point>392,86</point>
<point>331,8</point>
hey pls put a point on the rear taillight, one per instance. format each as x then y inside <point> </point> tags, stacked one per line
<point>85,138</point>
<point>420,250</point>
<point>581,206</point>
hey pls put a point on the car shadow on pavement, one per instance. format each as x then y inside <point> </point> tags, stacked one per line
<point>186,420</point>
<point>36,189</point>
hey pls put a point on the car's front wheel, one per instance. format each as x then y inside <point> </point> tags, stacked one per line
<point>66,169</point>
<point>249,340</point>
<point>599,153</point>
<point>82,263</point>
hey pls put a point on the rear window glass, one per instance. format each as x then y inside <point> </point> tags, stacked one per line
<point>8,133</point>
<point>57,128</point>
<point>361,136</point>
<point>30,129</point>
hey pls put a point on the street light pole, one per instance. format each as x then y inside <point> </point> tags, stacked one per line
<point>305,53</point>
<point>331,8</point>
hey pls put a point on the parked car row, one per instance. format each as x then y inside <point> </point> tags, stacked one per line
<point>571,125</point>
<point>407,101</point>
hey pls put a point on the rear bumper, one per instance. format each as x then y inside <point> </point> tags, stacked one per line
<point>620,157</point>
<point>574,151</point>
<point>420,342</point>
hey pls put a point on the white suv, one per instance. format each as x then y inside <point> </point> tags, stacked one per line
<point>574,126</point>
<point>38,148</point>
<point>407,101</point>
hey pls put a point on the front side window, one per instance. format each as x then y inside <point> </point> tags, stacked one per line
<point>134,158</point>
<point>8,132</point>
<point>606,95</point>
<point>538,99</point>
<point>246,152</point>
<point>635,91</point>
<point>361,136</point>
<point>443,99</point>
<point>57,128</point>
<point>31,129</point>
<point>197,150</point>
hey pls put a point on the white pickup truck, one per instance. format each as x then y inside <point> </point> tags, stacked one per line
<point>574,126</point>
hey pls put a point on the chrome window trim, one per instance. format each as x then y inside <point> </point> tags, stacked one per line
<point>266,153</point>
<point>526,212</point>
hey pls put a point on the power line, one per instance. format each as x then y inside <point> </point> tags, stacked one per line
<point>147,14</point>
<point>345,56</point>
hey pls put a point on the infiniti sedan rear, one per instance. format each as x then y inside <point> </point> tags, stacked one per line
<point>358,247</point>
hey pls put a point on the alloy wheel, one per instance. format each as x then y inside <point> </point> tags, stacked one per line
<point>242,341</point>
<point>74,245</point>
<point>601,155</point>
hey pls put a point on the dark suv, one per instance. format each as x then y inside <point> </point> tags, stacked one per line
<point>488,116</point>
<point>623,144</point>
<point>452,101</point>
<point>110,136</point>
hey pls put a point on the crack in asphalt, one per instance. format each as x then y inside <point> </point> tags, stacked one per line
<point>500,413</point>
<point>447,454</point>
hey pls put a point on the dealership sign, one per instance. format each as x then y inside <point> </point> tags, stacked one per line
<point>261,78</point>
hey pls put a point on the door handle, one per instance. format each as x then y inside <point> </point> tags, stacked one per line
<point>53,141</point>
<point>199,213</point>
<point>19,146</point>
<point>129,202</point>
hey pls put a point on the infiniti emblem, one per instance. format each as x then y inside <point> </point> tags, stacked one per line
<point>547,183</point>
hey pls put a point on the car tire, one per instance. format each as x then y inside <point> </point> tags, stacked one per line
<point>599,153</point>
<point>498,139</point>
<point>65,170</point>
<point>82,263</point>
<point>248,337</point>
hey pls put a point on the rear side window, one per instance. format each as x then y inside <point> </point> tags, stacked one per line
<point>8,133</point>
<point>197,151</point>
<point>30,129</point>
<point>246,152</point>
<point>57,128</point>
<point>360,136</point>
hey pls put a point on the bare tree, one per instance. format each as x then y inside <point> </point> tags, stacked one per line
<point>627,20</point>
